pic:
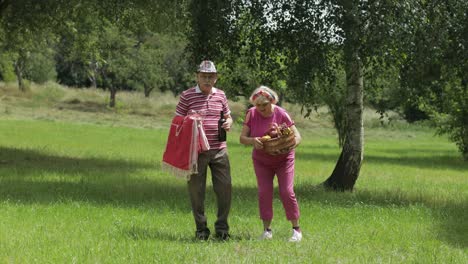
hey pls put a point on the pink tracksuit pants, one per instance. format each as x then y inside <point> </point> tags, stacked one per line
<point>265,170</point>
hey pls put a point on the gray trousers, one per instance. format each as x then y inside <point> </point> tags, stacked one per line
<point>218,161</point>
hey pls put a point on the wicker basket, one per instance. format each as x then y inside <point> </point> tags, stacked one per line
<point>275,146</point>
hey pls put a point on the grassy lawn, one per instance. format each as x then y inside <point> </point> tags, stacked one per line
<point>79,187</point>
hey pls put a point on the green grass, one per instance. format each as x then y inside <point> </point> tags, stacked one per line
<point>90,190</point>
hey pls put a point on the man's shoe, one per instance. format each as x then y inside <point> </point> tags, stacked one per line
<point>266,235</point>
<point>296,236</point>
<point>202,234</point>
<point>223,236</point>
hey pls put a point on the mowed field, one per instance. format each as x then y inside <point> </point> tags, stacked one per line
<point>81,183</point>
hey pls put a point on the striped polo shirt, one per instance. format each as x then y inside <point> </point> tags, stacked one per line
<point>209,106</point>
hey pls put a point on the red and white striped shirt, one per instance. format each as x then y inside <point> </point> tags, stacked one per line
<point>209,106</point>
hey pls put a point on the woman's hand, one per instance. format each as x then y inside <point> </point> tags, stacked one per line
<point>257,143</point>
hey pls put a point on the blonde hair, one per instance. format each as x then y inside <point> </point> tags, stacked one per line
<point>263,93</point>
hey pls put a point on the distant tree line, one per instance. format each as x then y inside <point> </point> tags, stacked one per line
<point>114,45</point>
<point>407,56</point>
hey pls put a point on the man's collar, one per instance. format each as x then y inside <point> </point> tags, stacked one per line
<point>197,89</point>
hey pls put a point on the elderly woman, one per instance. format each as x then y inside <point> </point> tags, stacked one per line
<point>258,121</point>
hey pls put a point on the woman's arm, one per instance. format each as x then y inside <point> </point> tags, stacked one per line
<point>245,136</point>
<point>297,135</point>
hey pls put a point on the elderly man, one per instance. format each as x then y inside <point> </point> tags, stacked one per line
<point>210,102</point>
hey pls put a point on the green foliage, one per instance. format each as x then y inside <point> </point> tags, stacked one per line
<point>25,27</point>
<point>309,48</point>
<point>421,44</point>
<point>332,90</point>
<point>147,68</point>
<point>454,119</point>
<point>78,47</point>
<point>435,72</point>
<point>7,72</point>
<point>210,29</point>
<point>180,73</point>
<point>383,88</point>
<point>117,65</point>
<point>127,37</point>
<point>41,67</point>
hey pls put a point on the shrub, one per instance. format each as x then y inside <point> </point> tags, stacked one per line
<point>7,72</point>
<point>40,68</point>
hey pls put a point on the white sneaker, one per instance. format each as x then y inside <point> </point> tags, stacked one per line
<point>296,236</point>
<point>267,235</point>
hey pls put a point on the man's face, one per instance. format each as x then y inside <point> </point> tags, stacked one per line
<point>206,81</point>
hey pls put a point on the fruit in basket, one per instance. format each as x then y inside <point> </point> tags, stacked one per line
<point>273,131</point>
<point>278,131</point>
<point>278,139</point>
<point>285,130</point>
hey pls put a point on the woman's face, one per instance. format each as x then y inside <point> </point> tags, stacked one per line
<point>264,107</point>
<point>206,81</point>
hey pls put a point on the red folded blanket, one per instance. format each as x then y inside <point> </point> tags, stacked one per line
<point>186,139</point>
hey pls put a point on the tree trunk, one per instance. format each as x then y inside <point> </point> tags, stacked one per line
<point>92,79</point>
<point>19,76</point>
<point>113,92</point>
<point>148,90</point>
<point>347,168</point>
<point>92,74</point>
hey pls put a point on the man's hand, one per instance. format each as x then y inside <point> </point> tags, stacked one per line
<point>227,125</point>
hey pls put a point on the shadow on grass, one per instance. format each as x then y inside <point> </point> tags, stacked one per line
<point>450,216</point>
<point>29,176</point>
<point>147,233</point>
<point>434,162</point>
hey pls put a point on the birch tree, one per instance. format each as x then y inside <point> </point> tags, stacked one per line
<point>317,38</point>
